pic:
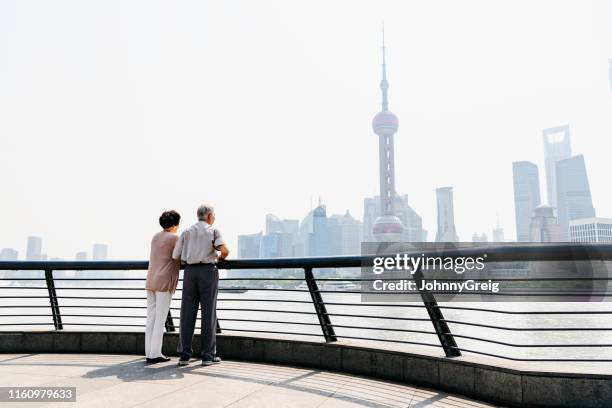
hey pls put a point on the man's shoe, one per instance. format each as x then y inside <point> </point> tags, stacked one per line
<point>183,362</point>
<point>211,361</point>
<point>162,359</point>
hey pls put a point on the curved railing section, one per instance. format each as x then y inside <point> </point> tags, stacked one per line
<point>300,298</point>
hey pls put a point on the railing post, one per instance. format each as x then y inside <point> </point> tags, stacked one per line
<point>170,323</point>
<point>319,305</point>
<point>437,319</point>
<point>55,310</point>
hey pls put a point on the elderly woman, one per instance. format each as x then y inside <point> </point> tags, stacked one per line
<point>162,278</point>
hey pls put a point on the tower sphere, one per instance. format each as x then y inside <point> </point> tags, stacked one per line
<point>388,228</point>
<point>385,122</point>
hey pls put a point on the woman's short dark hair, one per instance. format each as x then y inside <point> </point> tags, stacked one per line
<point>169,219</point>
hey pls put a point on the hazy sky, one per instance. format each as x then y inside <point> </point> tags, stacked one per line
<point>111,112</point>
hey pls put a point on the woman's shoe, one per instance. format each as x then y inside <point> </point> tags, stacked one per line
<point>162,359</point>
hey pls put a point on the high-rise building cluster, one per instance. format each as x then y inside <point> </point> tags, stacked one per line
<point>570,210</point>
<point>34,252</point>
<point>317,234</point>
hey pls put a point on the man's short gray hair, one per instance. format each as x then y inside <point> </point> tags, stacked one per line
<point>204,210</point>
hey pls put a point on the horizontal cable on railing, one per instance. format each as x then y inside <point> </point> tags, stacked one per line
<point>413,319</point>
<point>374,304</point>
<point>561,360</point>
<point>443,279</point>
<point>100,279</point>
<point>28,315</point>
<point>24,297</point>
<point>267,289</point>
<point>379,317</point>
<point>272,332</point>
<point>77,306</point>
<point>551,312</point>
<point>267,321</point>
<point>260,279</point>
<point>389,341</point>
<point>260,310</point>
<point>530,345</point>
<point>507,293</point>
<point>265,300</point>
<point>386,329</point>
<point>68,288</point>
<point>78,315</point>
<point>488,326</point>
<point>103,324</point>
<point>46,305</point>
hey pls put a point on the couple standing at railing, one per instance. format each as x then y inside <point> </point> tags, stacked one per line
<point>198,248</point>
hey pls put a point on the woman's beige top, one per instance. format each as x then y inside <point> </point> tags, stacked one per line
<point>163,271</point>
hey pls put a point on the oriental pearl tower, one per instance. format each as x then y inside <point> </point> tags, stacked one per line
<point>387,226</point>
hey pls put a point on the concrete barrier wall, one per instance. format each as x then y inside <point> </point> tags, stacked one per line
<point>487,383</point>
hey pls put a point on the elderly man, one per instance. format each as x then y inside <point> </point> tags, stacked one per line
<point>197,248</point>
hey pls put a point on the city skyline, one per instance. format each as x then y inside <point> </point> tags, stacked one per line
<point>34,252</point>
<point>566,184</point>
<point>285,238</point>
<point>291,105</point>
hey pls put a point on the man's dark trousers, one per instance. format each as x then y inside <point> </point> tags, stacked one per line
<point>200,287</point>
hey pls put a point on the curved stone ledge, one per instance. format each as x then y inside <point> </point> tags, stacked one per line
<point>484,382</point>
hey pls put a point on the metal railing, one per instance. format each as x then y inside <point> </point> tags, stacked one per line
<point>328,321</point>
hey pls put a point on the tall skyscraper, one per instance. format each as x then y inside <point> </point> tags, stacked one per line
<point>526,196</point>
<point>498,233</point>
<point>573,193</point>
<point>280,237</point>
<point>446,215</point>
<point>319,239</point>
<point>544,226</point>
<point>350,234</point>
<point>387,226</point>
<point>34,249</point>
<point>556,147</point>
<point>100,252</point>
<point>591,230</point>
<point>249,245</point>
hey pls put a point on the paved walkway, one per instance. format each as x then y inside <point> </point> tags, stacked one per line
<point>111,381</point>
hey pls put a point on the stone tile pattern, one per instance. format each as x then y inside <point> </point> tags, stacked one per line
<point>496,385</point>
<point>112,380</point>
